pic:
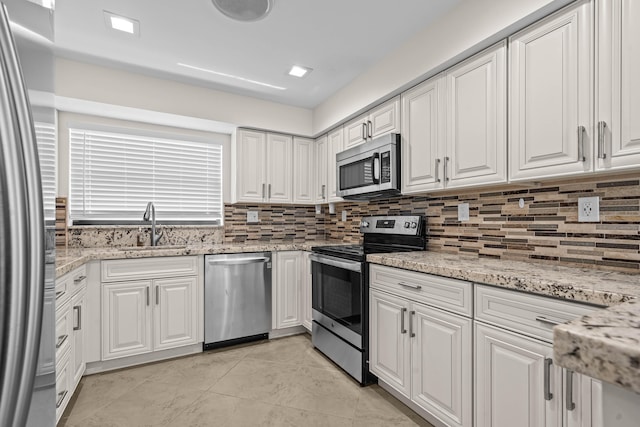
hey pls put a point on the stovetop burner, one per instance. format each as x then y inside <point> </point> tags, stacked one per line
<point>382,234</point>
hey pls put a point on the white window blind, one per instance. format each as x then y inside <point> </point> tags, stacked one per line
<point>114,175</point>
<point>46,141</point>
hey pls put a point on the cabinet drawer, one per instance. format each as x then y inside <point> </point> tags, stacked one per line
<point>63,390</point>
<point>532,315</point>
<point>63,330</point>
<point>145,268</point>
<point>78,279</point>
<point>449,294</point>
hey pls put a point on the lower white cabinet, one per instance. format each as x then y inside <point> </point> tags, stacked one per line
<point>516,382</point>
<point>78,305</point>
<point>305,286</point>
<point>158,312</point>
<point>286,291</point>
<point>423,352</point>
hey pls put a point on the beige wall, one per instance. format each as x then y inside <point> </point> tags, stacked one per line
<point>116,87</point>
<point>471,25</point>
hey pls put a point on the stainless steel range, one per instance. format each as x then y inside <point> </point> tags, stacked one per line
<point>340,289</point>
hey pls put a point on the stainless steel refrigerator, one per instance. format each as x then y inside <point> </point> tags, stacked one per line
<point>27,245</point>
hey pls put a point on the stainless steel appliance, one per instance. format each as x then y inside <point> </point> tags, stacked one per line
<point>370,170</point>
<point>27,251</point>
<point>340,289</point>
<point>237,295</point>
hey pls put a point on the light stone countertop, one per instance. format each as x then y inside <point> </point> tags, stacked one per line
<point>604,345</point>
<point>70,259</point>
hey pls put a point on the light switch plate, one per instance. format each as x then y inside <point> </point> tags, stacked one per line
<point>463,212</point>
<point>589,209</point>
<point>252,217</point>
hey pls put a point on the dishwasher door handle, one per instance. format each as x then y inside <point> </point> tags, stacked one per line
<point>238,261</point>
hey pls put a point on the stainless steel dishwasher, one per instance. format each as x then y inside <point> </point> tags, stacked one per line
<point>237,295</point>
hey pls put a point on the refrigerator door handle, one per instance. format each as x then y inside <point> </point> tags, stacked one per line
<point>25,259</point>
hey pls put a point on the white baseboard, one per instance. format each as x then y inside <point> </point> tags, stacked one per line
<point>125,362</point>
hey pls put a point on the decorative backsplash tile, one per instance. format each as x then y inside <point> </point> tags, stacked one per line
<point>545,229</point>
<point>276,223</point>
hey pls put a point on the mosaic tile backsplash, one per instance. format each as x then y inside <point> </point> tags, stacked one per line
<point>546,229</point>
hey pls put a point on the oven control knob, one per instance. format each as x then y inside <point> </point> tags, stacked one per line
<point>407,224</point>
<point>414,225</point>
<point>364,224</point>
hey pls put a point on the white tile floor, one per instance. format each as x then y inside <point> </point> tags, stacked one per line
<point>283,382</point>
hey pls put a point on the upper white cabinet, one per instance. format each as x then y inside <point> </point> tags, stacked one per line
<point>617,128</point>
<point>423,131</point>
<point>454,126</point>
<point>551,99</point>
<point>477,120</point>
<point>320,191</point>
<point>335,144</point>
<point>264,167</point>
<point>378,121</point>
<point>304,171</point>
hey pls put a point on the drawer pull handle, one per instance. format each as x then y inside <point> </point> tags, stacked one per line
<point>547,379</point>
<point>60,293</point>
<point>552,322</point>
<point>61,340</point>
<point>79,279</point>
<point>61,397</point>
<point>570,405</point>
<point>411,333</point>
<point>402,329</point>
<point>409,285</point>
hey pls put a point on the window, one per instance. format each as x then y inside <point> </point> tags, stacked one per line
<point>46,141</point>
<point>114,175</point>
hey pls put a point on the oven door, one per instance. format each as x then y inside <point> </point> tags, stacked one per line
<point>337,296</point>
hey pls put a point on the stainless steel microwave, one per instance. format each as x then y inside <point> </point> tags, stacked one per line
<point>370,170</point>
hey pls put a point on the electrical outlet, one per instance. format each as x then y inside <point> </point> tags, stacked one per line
<point>463,212</point>
<point>252,217</point>
<point>589,209</point>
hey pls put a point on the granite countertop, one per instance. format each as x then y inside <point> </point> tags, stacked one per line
<point>603,345</point>
<point>69,259</point>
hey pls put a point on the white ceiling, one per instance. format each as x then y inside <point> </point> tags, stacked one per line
<point>338,39</point>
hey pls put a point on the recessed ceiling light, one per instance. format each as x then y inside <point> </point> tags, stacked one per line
<point>122,23</point>
<point>244,10</point>
<point>298,71</point>
<point>231,76</point>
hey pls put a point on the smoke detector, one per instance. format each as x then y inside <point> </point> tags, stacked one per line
<point>244,10</point>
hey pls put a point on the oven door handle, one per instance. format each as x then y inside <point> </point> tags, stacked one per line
<point>337,262</point>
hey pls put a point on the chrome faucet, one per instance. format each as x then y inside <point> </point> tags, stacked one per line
<point>151,211</point>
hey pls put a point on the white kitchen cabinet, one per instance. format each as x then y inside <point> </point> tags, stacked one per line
<point>251,174</point>
<point>264,167</point>
<point>421,351</point>
<point>321,170</point>
<point>304,171</point>
<point>389,350</point>
<point>423,131</point>
<point>476,120</point>
<point>335,144</point>
<point>149,304</point>
<point>287,292</point>
<point>510,380</point>
<point>126,319</point>
<point>617,128</point>
<point>513,335</point>
<point>78,363</point>
<point>279,168</point>
<point>306,307</point>
<point>378,121</point>
<point>175,320</point>
<point>551,79</point>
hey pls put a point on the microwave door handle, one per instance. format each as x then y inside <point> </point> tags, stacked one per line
<point>376,168</point>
